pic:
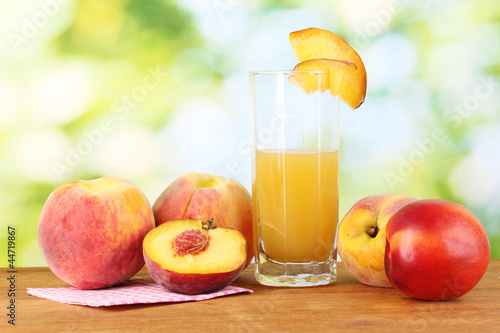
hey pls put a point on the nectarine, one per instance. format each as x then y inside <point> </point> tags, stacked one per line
<point>436,250</point>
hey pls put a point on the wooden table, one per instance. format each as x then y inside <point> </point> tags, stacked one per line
<point>346,305</point>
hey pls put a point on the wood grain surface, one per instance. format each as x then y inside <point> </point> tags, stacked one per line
<point>344,306</point>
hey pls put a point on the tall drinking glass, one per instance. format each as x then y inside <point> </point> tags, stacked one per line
<point>295,179</point>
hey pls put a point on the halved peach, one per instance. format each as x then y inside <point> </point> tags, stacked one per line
<point>191,257</point>
<point>334,75</point>
<point>314,43</point>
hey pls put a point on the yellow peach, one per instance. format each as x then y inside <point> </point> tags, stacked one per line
<point>361,237</point>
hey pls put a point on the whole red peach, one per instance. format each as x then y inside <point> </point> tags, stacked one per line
<point>91,232</point>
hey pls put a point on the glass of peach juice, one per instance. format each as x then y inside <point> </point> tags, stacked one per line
<point>294,179</point>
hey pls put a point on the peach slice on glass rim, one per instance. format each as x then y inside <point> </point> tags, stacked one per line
<point>314,43</point>
<point>334,75</point>
<point>191,257</point>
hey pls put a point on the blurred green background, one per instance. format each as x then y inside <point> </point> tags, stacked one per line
<point>149,90</point>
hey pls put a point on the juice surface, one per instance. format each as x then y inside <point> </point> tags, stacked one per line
<point>296,201</point>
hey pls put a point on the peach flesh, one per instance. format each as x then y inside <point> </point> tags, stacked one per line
<point>211,269</point>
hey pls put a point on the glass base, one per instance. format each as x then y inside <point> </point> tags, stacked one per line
<point>278,274</point>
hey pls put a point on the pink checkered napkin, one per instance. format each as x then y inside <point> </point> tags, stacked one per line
<point>138,290</point>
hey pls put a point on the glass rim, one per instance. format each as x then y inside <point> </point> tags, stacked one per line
<point>286,72</point>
